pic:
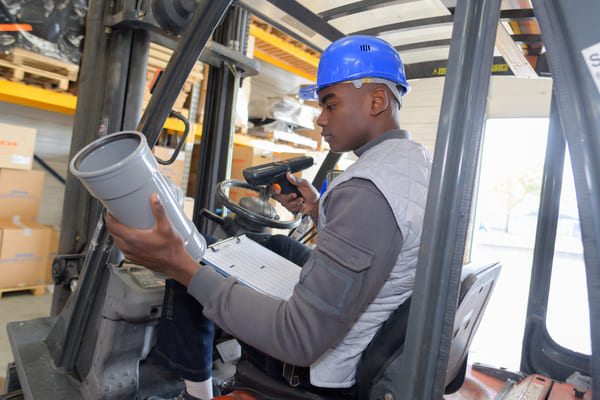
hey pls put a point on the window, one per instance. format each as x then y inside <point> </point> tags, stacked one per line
<point>568,318</point>
<point>505,222</point>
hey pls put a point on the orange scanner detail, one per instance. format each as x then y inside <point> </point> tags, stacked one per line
<point>15,27</point>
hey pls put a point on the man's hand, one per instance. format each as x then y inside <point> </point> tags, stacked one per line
<point>308,203</point>
<point>159,248</point>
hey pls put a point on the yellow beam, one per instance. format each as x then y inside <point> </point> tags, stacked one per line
<point>32,96</point>
<point>271,60</point>
<point>175,124</point>
<point>284,46</point>
<point>197,133</point>
<point>175,127</point>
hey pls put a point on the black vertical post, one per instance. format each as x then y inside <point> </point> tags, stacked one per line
<point>125,54</point>
<point>539,350</point>
<point>545,236</point>
<point>328,164</point>
<point>449,199</point>
<point>218,124</point>
<point>86,125</point>
<point>136,79</point>
<point>116,80</point>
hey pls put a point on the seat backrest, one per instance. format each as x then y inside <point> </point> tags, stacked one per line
<point>380,362</point>
<point>476,289</point>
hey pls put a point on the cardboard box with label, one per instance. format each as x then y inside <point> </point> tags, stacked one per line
<point>244,157</point>
<point>20,193</point>
<point>23,253</point>
<point>17,144</point>
<point>172,171</point>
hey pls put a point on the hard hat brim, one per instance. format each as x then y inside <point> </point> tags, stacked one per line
<point>309,92</point>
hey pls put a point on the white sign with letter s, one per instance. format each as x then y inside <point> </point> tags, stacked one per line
<point>591,56</point>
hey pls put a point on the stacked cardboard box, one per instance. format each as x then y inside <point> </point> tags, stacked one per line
<point>24,242</point>
<point>16,147</point>
<point>24,252</point>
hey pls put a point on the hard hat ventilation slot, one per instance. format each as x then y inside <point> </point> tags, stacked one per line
<point>365,47</point>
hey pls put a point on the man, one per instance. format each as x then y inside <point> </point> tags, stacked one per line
<point>369,227</point>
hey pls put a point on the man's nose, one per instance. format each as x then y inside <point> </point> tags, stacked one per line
<point>321,121</point>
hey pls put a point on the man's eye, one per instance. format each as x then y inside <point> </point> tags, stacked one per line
<point>330,107</point>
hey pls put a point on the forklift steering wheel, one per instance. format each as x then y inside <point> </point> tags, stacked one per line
<point>255,209</point>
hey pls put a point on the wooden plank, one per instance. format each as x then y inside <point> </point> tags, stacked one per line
<point>513,54</point>
<point>37,290</point>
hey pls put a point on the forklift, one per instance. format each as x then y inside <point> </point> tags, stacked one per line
<point>95,343</point>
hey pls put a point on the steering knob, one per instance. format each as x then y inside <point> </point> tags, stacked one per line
<point>259,206</point>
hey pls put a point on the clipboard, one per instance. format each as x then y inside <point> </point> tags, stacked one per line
<point>254,266</point>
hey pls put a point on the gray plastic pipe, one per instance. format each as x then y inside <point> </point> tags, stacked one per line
<point>121,172</point>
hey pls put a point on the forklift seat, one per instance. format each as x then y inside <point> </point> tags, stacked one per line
<point>379,368</point>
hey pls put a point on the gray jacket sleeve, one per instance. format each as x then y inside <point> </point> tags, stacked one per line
<point>355,254</point>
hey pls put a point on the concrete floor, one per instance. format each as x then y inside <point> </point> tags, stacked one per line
<point>18,306</point>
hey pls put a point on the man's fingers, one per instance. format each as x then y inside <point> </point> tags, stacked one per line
<point>285,198</point>
<point>294,205</point>
<point>292,201</point>
<point>293,180</point>
<point>158,210</point>
<point>114,227</point>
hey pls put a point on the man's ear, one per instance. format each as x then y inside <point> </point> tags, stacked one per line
<point>380,101</point>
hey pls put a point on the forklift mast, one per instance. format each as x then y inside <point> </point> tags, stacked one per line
<point>111,92</point>
<point>75,355</point>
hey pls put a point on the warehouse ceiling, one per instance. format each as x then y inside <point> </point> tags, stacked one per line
<point>419,29</point>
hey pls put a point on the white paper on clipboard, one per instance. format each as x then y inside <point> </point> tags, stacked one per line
<point>254,266</point>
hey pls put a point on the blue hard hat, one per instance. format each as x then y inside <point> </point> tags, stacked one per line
<point>354,57</point>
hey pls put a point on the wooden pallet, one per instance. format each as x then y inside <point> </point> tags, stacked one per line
<point>33,68</point>
<point>24,65</point>
<point>37,290</point>
<point>180,101</point>
<point>158,58</point>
